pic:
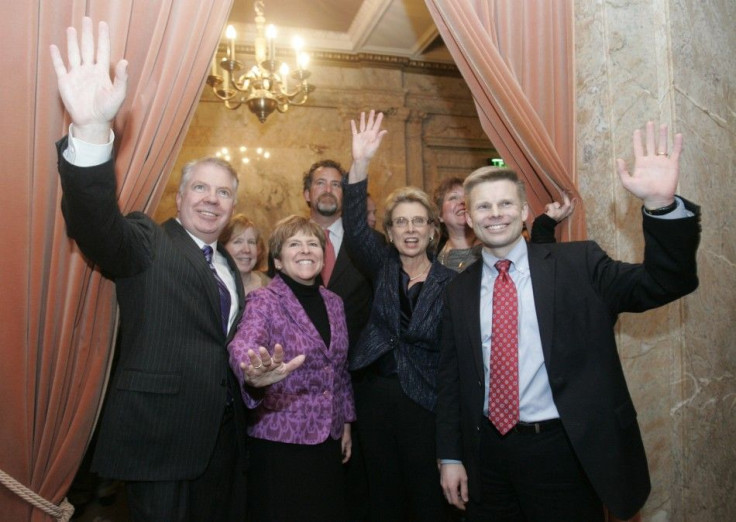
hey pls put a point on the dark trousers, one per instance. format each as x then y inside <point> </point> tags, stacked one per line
<point>398,438</point>
<point>217,495</point>
<point>532,477</point>
<point>296,482</point>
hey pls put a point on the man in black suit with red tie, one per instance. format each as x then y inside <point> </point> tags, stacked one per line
<point>173,425</point>
<point>534,417</point>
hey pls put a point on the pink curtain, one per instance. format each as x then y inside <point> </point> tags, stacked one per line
<point>58,313</point>
<point>517,59</point>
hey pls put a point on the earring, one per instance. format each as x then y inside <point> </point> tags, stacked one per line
<point>431,238</point>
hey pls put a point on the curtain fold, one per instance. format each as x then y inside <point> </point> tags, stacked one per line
<point>517,59</point>
<point>58,312</point>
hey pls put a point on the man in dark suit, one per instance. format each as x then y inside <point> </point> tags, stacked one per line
<point>562,439</point>
<point>173,424</point>
<point>323,193</point>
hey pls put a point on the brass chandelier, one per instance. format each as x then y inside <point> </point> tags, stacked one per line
<point>265,87</point>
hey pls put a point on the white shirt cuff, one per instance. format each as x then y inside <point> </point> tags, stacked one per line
<point>82,154</point>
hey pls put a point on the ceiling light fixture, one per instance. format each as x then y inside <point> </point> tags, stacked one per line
<point>265,87</point>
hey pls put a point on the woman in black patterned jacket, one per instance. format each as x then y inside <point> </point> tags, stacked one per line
<point>397,354</point>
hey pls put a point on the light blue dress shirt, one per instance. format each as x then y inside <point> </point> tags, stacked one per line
<point>535,395</point>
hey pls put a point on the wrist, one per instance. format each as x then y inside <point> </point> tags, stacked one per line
<point>93,133</point>
<point>660,210</point>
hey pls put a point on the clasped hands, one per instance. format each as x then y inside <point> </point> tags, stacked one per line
<point>263,368</point>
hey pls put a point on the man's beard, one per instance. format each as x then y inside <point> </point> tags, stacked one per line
<point>327,205</point>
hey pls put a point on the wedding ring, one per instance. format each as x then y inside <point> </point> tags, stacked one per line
<point>259,366</point>
<point>661,154</point>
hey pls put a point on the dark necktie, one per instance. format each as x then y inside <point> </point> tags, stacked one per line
<point>221,288</point>
<point>329,259</point>
<point>503,400</point>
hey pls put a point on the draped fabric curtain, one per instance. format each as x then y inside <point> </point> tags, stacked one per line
<point>58,313</point>
<point>517,58</point>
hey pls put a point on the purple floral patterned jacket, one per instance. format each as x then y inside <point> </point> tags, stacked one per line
<point>316,400</point>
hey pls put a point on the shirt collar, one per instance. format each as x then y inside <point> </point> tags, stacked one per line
<point>519,257</point>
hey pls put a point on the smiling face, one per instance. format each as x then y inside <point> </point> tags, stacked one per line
<point>301,258</point>
<point>243,247</point>
<point>205,201</point>
<point>497,215</point>
<point>452,212</point>
<point>410,240</point>
<point>324,195</point>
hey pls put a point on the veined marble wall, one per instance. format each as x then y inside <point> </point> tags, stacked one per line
<point>433,133</point>
<point>670,61</point>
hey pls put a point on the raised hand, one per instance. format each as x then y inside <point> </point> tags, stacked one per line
<point>367,137</point>
<point>560,211</point>
<point>655,175</point>
<point>90,97</point>
<point>263,368</point>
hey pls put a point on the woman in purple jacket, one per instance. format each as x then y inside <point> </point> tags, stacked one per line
<point>299,426</point>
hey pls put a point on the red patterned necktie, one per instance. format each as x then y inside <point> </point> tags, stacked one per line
<point>503,400</point>
<point>329,259</point>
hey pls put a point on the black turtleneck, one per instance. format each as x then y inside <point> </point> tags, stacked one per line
<point>313,304</point>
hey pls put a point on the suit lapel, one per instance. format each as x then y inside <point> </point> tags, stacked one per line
<point>470,295</point>
<point>542,269</point>
<point>341,262</point>
<point>194,256</point>
<point>238,288</point>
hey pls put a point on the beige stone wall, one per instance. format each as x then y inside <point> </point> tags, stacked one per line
<point>670,61</point>
<point>433,133</point>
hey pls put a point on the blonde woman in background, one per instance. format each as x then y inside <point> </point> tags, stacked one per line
<point>244,243</point>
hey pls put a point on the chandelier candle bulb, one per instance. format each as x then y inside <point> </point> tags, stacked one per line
<point>230,34</point>
<point>271,36</point>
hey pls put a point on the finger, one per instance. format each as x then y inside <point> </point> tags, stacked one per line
<point>120,82</point>
<point>72,47</point>
<point>278,354</point>
<point>353,127</point>
<point>565,199</point>
<point>379,119</point>
<point>103,46</point>
<point>638,147</point>
<point>265,356</point>
<point>362,121</point>
<point>651,151</point>
<point>88,41</point>
<point>464,491</point>
<point>371,119</point>
<point>255,360</point>
<point>662,145</point>
<point>292,365</point>
<point>676,147</point>
<point>57,62</point>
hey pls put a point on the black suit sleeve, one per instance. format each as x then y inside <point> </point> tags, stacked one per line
<point>448,421</point>
<point>543,229</point>
<point>120,246</point>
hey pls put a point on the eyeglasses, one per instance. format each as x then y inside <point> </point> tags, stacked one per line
<point>417,221</point>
